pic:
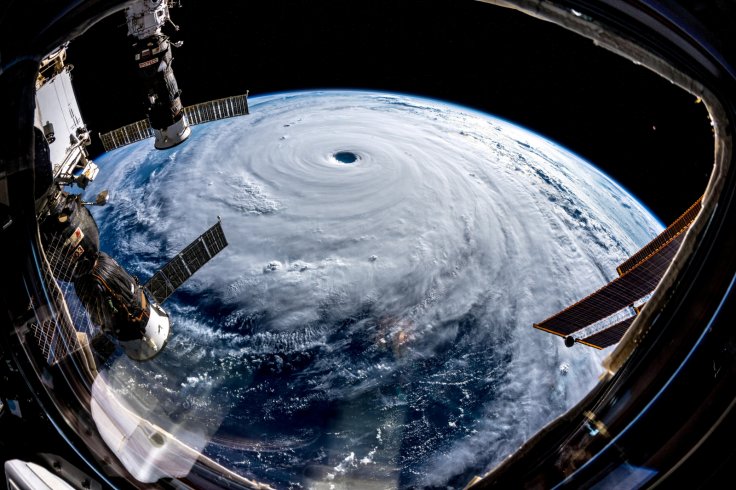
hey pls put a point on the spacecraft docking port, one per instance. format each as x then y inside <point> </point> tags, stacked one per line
<point>153,56</point>
<point>121,310</point>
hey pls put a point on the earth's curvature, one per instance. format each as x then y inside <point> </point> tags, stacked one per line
<point>370,321</point>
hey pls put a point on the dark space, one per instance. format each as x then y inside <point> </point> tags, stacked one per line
<point>645,132</point>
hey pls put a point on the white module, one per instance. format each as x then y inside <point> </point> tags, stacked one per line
<point>146,17</point>
<point>58,116</point>
<point>153,57</point>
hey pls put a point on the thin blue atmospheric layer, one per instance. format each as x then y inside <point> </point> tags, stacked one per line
<point>553,142</point>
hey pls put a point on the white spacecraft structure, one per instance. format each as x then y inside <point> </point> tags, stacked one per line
<point>97,306</point>
<point>93,307</point>
<point>58,118</point>
<point>113,303</point>
<point>168,121</point>
<point>153,57</point>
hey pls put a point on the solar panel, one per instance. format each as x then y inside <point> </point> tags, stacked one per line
<point>212,110</point>
<point>676,227</point>
<point>186,263</point>
<point>609,336</point>
<point>623,291</point>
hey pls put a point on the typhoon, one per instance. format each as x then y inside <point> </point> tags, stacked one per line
<point>370,322</point>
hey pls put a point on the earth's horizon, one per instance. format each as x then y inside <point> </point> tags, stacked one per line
<point>371,318</point>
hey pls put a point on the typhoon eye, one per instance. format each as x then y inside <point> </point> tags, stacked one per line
<point>346,157</point>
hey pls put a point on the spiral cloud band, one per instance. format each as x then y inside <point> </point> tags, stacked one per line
<point>371,318</point>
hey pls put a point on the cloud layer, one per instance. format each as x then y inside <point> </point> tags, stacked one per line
<point>397,290</point>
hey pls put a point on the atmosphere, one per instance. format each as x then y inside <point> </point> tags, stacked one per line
<point>638,127</point>
<point>395,293</point>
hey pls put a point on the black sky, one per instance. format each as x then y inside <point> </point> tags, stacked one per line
<point>646,133</point>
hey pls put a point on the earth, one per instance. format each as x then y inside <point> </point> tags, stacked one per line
<point>370,322</point>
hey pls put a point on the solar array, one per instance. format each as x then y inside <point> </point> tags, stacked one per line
<point>186,263</point>
<point>126,135</point>
<point>676,227</point>
<point>616,295</point>
<point>609,336</point>
<point>212,110</point>
<point>639,276</point>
